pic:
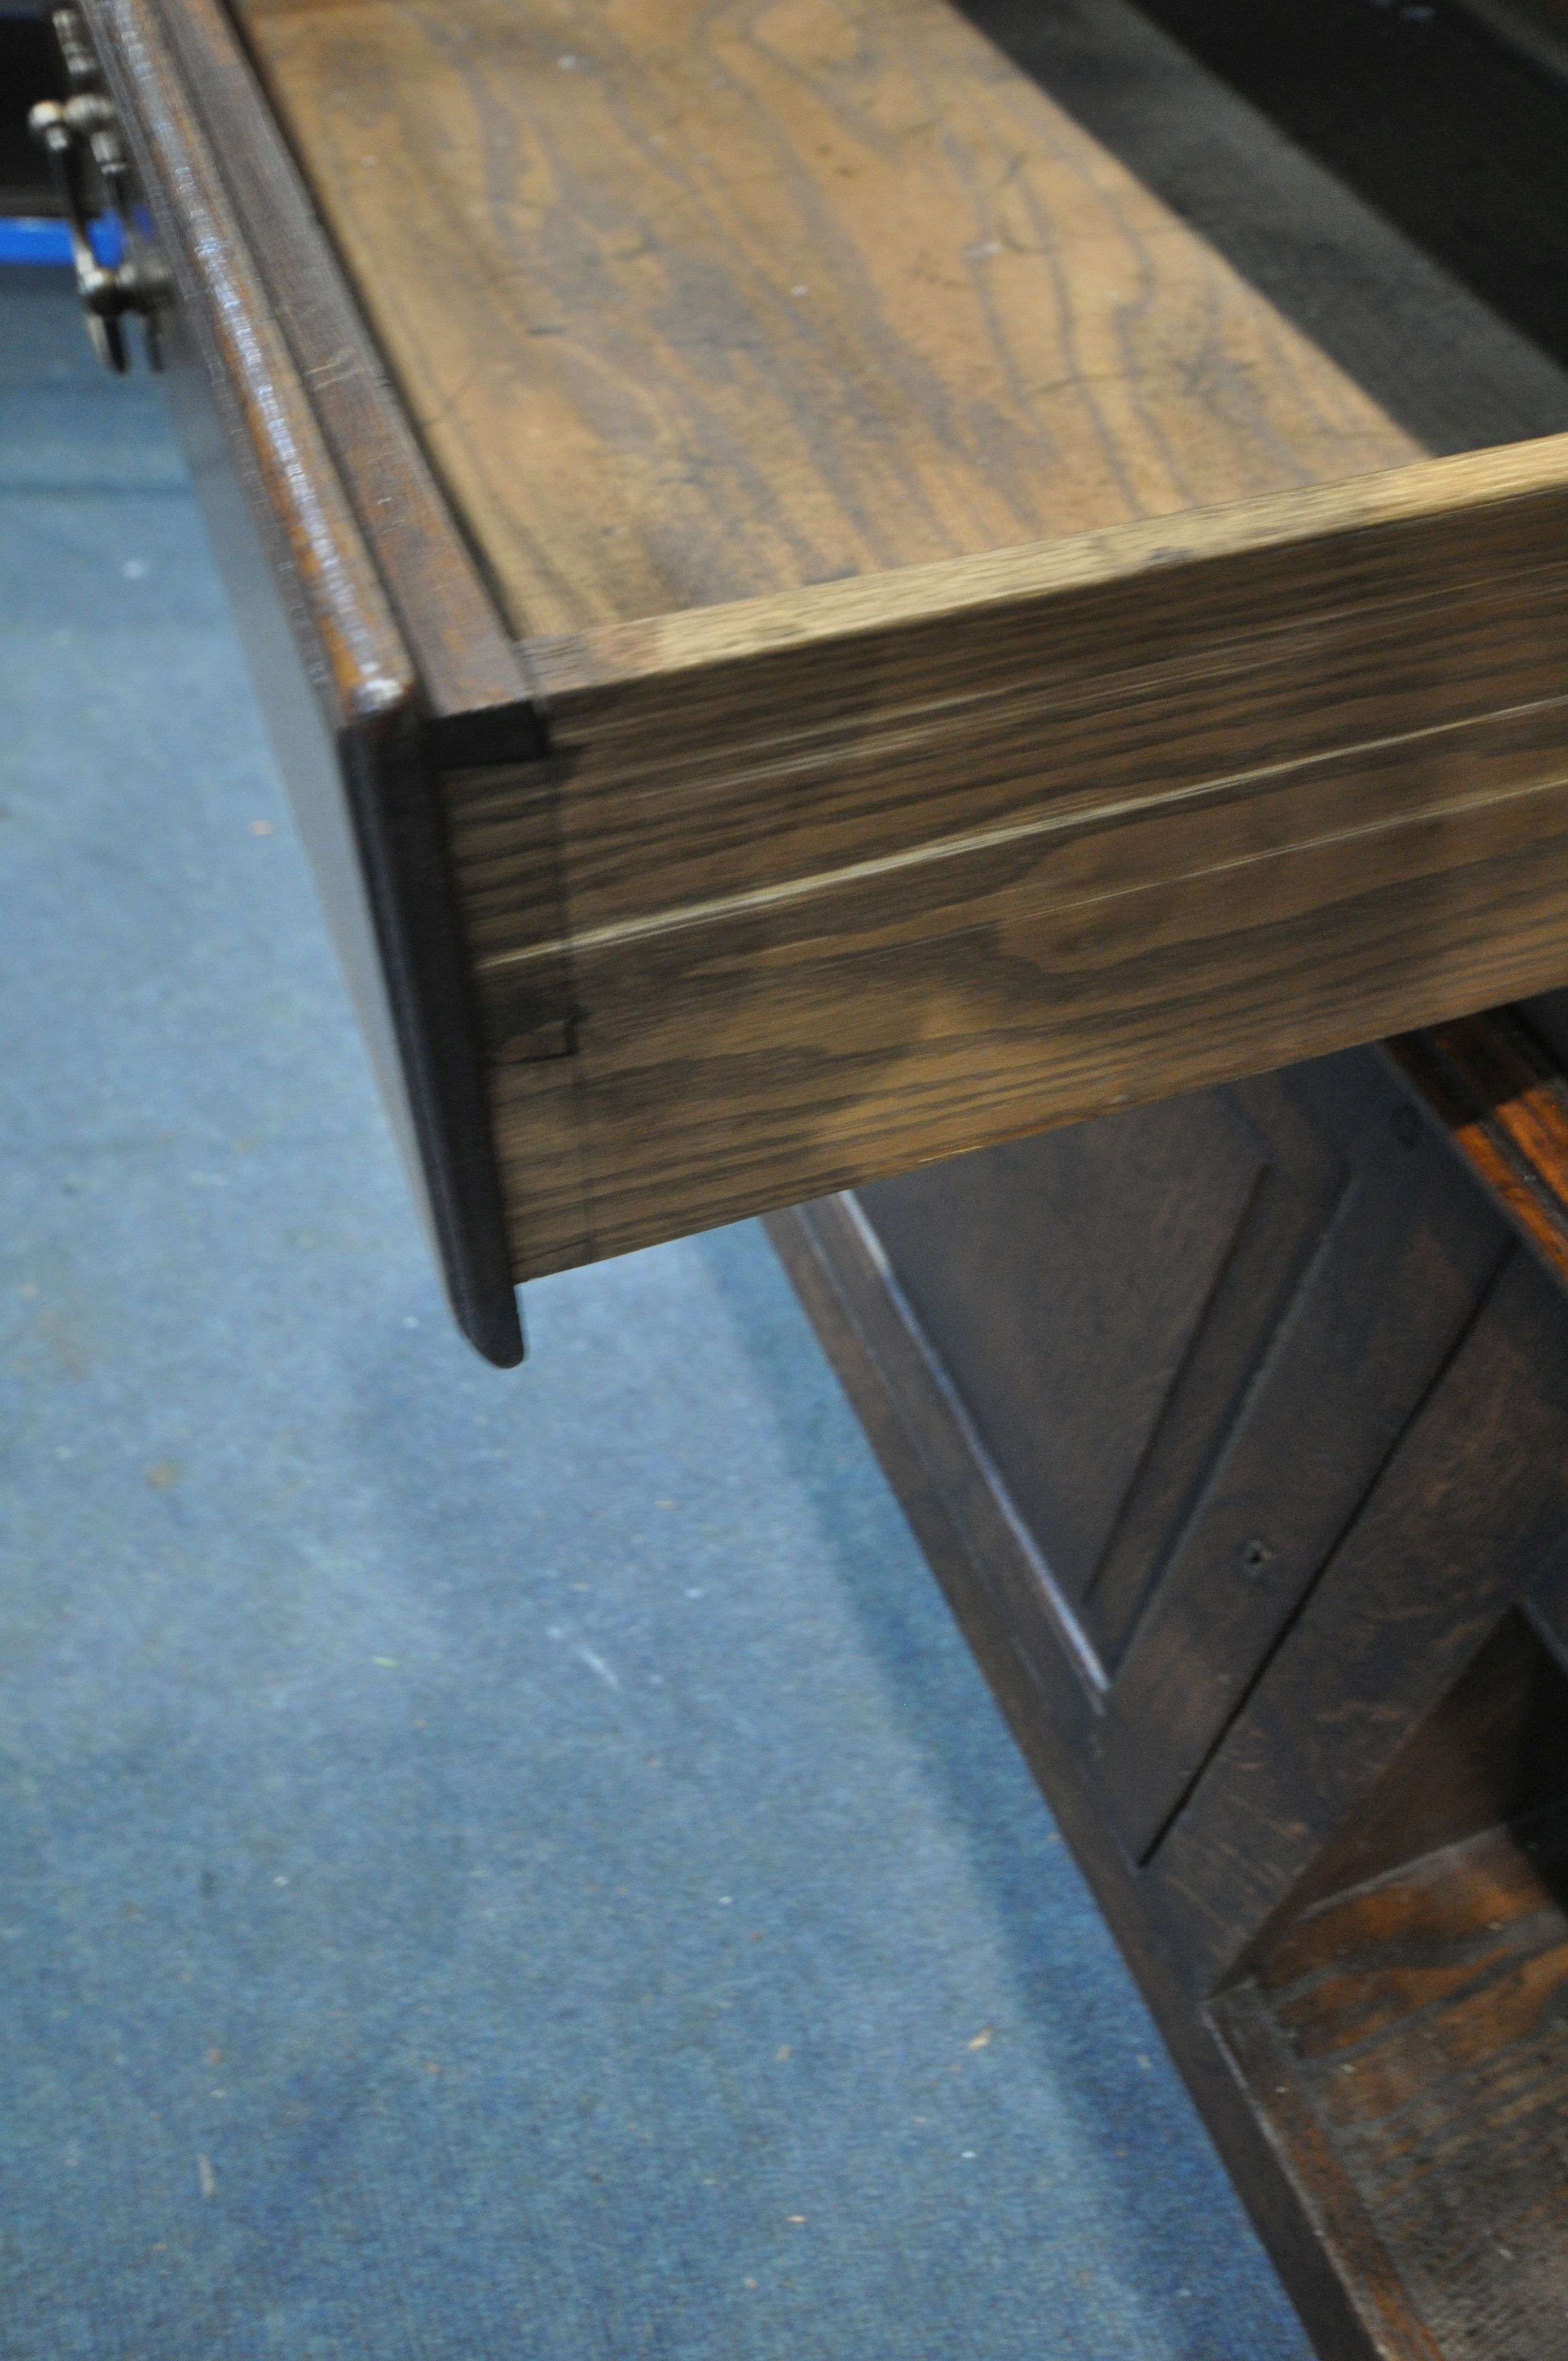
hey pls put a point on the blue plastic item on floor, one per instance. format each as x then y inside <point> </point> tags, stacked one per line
<point>38,240</point>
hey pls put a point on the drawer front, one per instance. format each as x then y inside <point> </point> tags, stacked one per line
<point>339,686</point>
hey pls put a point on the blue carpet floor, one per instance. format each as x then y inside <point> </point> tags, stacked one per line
<point>489,1865</point>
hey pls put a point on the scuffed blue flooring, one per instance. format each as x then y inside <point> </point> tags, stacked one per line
<point>489,1865</point>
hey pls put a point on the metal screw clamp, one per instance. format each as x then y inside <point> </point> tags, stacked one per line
<point>80,136</point>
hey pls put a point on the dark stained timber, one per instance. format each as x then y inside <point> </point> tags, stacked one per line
<point>984,830</point>
<point>338,684</point>
<point>889,870</point>
<point>813,625</point>
<point>1351,1930</point>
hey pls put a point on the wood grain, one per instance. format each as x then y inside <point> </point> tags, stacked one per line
<point>1042,1670</point>
<point>773,966</point>
<point>1370,1838</point>
<point>337,683</point>
<point>356,654</point>
<point>693,302</point>
<point>1422,2027</point>
<point>1504,1099</point>
<point>756,349</point>
<point>1076,1400</point>
<point>1466,1518</point>
<point>876,873</point>
<point>1381,1308</point>
<point>456,639</point>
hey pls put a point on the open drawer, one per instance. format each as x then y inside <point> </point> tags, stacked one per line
<point>811,624</point>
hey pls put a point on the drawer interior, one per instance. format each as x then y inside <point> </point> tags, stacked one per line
<point>693,304</point>
<point>995,668</point>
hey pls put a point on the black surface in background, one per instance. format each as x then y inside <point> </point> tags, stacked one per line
<point>1427,121</point>
<point>1426,116</point>
<point>26,74</point>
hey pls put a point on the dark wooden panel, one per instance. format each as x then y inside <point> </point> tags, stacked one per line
<point>1042,1274</point>
<point>1338,2271</point>
<point>1303,1181</point>
<point>1425,2176</point>
<point>1222,1458</point>
<point>1546,1017</point>
<point>1382,1305</point>
<point>967,1492</point>
<point>1494,1750</point>
<point>1471,1509</point>
<point>1065,1279</point>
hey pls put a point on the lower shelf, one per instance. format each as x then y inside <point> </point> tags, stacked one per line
<point>1415,2033</point>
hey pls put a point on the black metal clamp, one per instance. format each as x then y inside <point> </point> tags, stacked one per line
<point>80,136</point>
